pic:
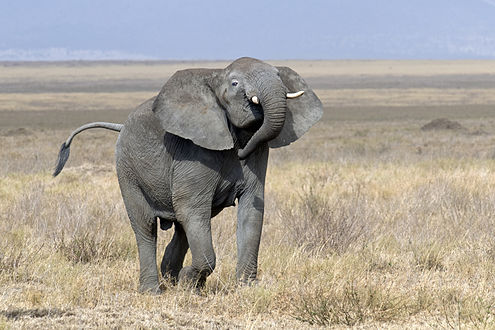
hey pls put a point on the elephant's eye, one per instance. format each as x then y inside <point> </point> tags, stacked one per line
<point>235,83</point>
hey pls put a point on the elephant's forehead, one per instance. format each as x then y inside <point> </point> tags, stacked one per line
<point>246,61</point>
<point>248,64</point>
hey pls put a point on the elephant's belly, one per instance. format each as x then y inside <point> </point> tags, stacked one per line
<point>225,196</point>
<point>160,199</point>
<point>157,186</point>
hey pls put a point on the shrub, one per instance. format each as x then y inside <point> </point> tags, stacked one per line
<point>320,224</point>
<point>351,304</point>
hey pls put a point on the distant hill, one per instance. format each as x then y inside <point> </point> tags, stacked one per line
<point>64,54</point>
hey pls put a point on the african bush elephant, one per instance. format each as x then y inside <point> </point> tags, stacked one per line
<point>194,149</point>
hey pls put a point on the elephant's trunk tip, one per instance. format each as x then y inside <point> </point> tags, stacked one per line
<point>63,155</point>
<point>243,153</point>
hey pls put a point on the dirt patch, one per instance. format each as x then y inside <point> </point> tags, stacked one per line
<point>34,313</point>
<point>441,124</point>
<point>479,131</point>
<point>16,132</point>
<point>56,119</point>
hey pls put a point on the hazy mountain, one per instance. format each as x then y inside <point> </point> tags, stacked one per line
<point>64,54</point>
<point>313,29</point>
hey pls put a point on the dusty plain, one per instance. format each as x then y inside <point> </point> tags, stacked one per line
<point>370,221</point>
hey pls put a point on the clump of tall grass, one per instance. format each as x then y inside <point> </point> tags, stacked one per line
<point>320,224</point>
<point>17,250</point>
<point>351,303</point>
<point>82,226</point>
<point>93,244</point>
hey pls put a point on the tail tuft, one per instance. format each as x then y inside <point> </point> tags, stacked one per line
<point>63,155</point>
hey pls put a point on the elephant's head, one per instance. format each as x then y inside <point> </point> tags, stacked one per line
<point>197,104</point>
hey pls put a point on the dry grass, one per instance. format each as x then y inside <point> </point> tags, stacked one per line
<point>71,71</point>
<point>370,223</point>
<point>395,97</point>
<point>74,71</point>
<point>390,68</point>
<point>71,101</point>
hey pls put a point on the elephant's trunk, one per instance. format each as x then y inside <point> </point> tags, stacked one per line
<point>272,97</point>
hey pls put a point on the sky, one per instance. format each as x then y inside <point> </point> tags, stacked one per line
<point>222,30</point>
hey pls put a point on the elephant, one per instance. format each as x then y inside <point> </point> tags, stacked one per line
<point>196,148</point>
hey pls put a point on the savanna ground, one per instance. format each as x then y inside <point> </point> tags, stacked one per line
<point>370,221</point>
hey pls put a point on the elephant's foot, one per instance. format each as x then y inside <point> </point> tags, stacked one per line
<point>171,278</point>
<point>170,275</point>
<point>150,288</point>
<point>192,278</point>
<point>246,275</point>
<point>248,282</point>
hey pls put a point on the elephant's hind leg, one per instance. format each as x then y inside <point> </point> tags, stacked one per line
<point>175,252</point>
<point>145,231</point>
<point>144,224</point>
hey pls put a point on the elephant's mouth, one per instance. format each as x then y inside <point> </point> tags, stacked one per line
<point>255,118</point>
<point>256,110</point>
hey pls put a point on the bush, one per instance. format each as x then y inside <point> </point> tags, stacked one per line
<point>88,245</point>
<point>319,224</point>
<point>351,304</point>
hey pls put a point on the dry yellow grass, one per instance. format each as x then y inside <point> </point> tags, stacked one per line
<point>331,98</point>
<point>71,101</point>
<point>419,249</point>
<point>395,97</point>
<point>389,68</point>
<point>70,71</point>
<point>370,223</point>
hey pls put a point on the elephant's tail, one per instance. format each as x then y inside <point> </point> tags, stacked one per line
<point>63,155</point>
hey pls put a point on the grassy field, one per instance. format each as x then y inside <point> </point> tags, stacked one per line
<point>371,221</point>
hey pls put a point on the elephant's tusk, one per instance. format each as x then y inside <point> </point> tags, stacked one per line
<point>294,95</point>
<point>255,100</point>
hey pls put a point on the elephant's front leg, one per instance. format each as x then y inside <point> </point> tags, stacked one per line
<point>249,226</point>
<point>197,227</point>
<point>175,252</point>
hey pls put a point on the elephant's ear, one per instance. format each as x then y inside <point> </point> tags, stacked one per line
<point>187,106</point>
<point>302,112</point>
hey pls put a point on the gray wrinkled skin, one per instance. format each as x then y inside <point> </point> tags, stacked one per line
<point>179,162</point>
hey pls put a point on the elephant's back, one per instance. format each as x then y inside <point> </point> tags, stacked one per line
<point>141,131</point>
<point>143,120</point>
